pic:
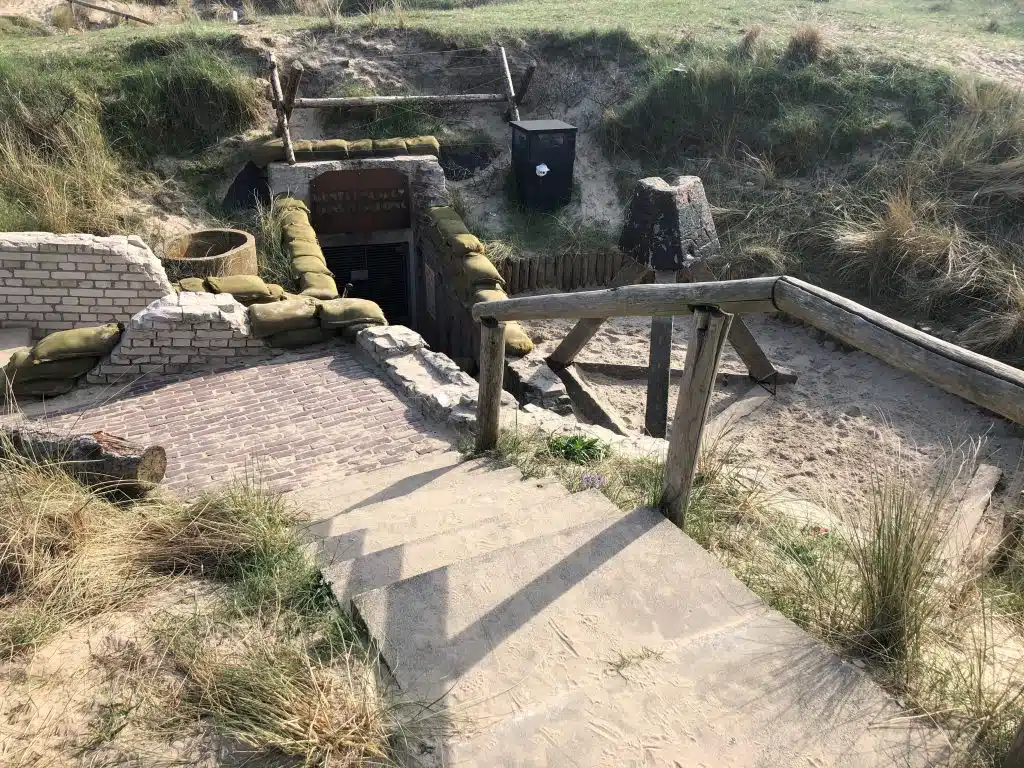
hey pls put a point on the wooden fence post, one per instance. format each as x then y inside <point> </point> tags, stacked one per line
<point>282,121</point>
<point>510,91</point>
<point>1015,757</point>
<point>492,369</point>
<point>710,329</point>
<point>659,364</point>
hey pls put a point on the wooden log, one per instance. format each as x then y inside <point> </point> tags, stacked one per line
<point>102,461</point>
<point>967,515</point>
<point>589,403</point>
<point>710,328</point>
<point>742,340</point>
<point>109,10</point>
<point>976,378</point>
<point>381,101</point>
<point>282,121</point>
<point>291,88</point>
<point>524,84</point>
<point>585,329</point>
<point>510,91</point>
<point>492,369</point>
<point>659,363</point>
<point>632,300</point>
<point>745,405</point>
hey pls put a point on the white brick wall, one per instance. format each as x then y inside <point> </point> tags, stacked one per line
<point>53,282</point>
<point>179,333</point>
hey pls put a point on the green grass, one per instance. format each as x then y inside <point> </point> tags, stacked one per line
<point>19,26</point>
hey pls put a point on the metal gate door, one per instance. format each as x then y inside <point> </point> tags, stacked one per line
<point>377,272</point>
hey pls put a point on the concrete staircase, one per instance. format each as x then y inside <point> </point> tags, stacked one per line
<point>556,630</point>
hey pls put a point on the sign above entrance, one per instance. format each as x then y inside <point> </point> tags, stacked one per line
<point>360,201</point>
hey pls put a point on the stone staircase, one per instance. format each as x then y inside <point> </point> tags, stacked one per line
<point>557,630</point>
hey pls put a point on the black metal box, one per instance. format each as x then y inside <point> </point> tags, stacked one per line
<point>543,155</point>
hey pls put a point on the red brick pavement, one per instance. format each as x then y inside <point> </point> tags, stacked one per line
<point>294,417</point>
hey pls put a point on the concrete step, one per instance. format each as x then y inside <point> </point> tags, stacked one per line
<point>378,567</point>
<point>542,626</point>
<point>421,503</point>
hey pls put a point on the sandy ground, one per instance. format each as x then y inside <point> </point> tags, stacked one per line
<point>824,436</point>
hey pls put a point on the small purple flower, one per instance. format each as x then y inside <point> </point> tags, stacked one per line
<point>593,480</point>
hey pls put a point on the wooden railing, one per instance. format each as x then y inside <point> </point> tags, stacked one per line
<point>976,378</point>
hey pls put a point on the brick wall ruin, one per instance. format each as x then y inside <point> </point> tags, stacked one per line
<point>54,282</point>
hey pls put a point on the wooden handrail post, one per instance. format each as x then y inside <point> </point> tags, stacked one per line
<point>710,329</point>
<point>282,120</point>
<point>492,369</point>
<point>510,91</point>
<point>291,90</point>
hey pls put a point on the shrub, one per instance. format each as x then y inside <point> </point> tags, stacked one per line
<point>806,46</point>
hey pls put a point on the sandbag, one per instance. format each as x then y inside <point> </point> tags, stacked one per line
<point>477,270</point>
<point>277,292</point>
<point>98,341</point>
<point>262,153</point>
<point>242,287</point>
<point>307,264</point>
<point>341,313</point>
<point>350,332</point>
<point>294,217</point>
<point>360,148</point>
<point>464,245</point>
<point>489,294</point>
<point>43,387</point>
<point>291,315</point>
<point>517,341</point>
<point>423,145</point>
<point>22,367</point>
<point>283,204</point>
<point>301,337</point>
<point>302,248</point>
<point>318,286</point>
<point>298,233</point>
<point>448,222</point>
<point>389,147</point>
<point>325,149</point>
<point>193,285</point>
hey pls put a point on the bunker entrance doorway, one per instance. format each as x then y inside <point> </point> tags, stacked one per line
<point>363,220</point>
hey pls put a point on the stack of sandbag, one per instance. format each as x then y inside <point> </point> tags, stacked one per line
<point>470,272</point>
<point>349,316</point>
<point>262,153</point>
<point>287,324</point>
<point>54,365</point>
<point>309,267</point>
<point>247,289</point>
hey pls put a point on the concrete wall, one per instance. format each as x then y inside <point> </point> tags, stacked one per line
<point>179,333</point>
<point>54,282</point>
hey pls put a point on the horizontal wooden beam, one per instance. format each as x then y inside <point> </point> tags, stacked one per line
<point>976,378</point>
<point>113,11</point>
<point>379,101</point>
<point>632,300</point>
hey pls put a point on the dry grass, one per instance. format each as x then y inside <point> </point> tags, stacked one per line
<point>806,46</point>
<point>749,44</point>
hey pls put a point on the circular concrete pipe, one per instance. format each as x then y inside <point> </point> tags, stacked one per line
<point>211,253</point>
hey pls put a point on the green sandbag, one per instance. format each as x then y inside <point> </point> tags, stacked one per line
<point>389,147</point>
<point>301,248</point>
<point>241,287</point>
<point>298,233</point>
<point>302,337</point>
<point>489,294</point>
<point>318,286</point>
<point>281,316</point>
<point>360,148</point>
<point>294,217</point>
<point>517,342</point>
<point>350,332</point>
<point>447,220</point>
<point>282,204</point>
<point>98,341</point>
<point>304,264</point>
<point>277,292</point>
<point>326,149</point>
<point>193,285</point>
<point>464,245</point>
<point>22,367</point>
<point>262,153</point>
<point>423,145</point>
<point>477,270</point>
<point>43,388</point>
<point>341,313</point>
<point>19,358</point>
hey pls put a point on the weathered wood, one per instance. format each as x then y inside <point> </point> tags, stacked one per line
<point>99,460</point>
<point>524,84</point>
<point>291,88</point>
<point>968,513</point>
<point>282,121</point>
<point>630,300</point>
<point>380,101</point>
<point>742,340</point>
<point>630,371</point>
<point>589,403</point>
<point>510,91</point>
<point>109,10</point>
<point>659,363</point>
<point>492,369</point>
<point>584,330</point>
<point>710,328</point>
<point>1015,756</point>
<point>745,405</point>
<point>976,378</point>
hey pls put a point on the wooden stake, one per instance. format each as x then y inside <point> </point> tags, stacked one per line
<point>710,328</point>
<point>656,414</point>
<point>524,84</point>
<point>291,89</point>
<point>380,101</point>
<point>282,120</point>
<point>510,92</point>
<point>492,369</point>
<point>107,10</point>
